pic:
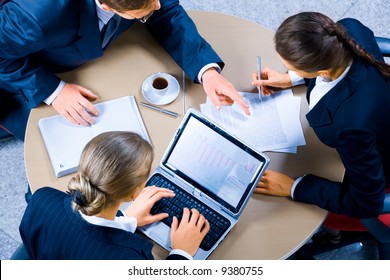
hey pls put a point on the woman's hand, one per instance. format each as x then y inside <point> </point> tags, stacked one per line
<point>140,207</point>
<point>188,235</point>
<point>274,183</point>
<point>271,80</point>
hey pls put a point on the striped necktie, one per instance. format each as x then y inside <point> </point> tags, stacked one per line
<point>109,30</point>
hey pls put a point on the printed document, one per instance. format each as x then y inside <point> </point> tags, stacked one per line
<point>274,123</point>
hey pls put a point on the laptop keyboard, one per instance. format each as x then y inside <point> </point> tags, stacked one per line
<point>174,207</point>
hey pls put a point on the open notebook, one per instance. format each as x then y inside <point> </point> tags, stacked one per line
<point>65,141</point>
<point>210,170</point>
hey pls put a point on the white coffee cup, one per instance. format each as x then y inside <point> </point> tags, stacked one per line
<point>160,88</point>
<point>160,85</point>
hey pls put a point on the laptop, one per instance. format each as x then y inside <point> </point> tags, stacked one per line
<point>210,170</point>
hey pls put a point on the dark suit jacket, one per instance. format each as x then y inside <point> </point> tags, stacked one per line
<point>39,38</point>
<point>51,229</point>
<point>354,119</point>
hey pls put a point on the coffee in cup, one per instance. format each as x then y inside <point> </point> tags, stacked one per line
<point>160,88</point>
<point>160,84</point>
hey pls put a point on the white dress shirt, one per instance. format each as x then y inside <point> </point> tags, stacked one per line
<point>124,223</point>
<point>103,17</point>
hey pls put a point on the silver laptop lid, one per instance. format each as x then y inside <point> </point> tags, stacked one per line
<point>214,162</point>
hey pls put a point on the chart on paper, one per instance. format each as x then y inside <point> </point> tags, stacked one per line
<point>273,124</point>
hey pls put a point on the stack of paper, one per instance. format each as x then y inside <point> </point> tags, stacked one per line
<point>274,123</point>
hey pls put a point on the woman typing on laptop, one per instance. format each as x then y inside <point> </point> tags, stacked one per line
<point>83,223</point>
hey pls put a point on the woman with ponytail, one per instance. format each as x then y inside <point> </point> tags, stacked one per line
<point>349,101</point>
<point>84,222</point>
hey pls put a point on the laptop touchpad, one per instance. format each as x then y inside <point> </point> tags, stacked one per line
<point>161,233</point>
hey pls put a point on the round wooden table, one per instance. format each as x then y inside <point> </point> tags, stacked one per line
<point>270,227</point>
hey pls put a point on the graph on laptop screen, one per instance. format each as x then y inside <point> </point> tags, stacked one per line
<point>214,162</point>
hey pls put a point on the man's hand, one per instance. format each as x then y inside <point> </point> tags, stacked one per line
<point>73,104</point>
<point>220,91</point>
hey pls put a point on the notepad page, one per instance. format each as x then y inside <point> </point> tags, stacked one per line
<point>123,116</point>
<point>64,142</point>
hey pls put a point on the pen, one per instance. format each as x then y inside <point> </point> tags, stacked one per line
<point>173,114</point>
<point>184,93</point>
<point>259,73</point>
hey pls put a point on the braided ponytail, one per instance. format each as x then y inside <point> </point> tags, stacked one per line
<point>357,50</point>
<point>312,42</point>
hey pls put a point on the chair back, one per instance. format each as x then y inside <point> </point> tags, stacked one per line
<point>380,230</point>
<point>384,45</point>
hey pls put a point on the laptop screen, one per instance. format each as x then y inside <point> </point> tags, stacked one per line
<point>214,162</point>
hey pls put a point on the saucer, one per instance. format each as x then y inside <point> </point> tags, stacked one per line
<point>160,99</point>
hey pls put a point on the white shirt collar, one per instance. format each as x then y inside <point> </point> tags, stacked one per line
<point>103,16</point>
<point>323,86</point>
<point>125,223</point>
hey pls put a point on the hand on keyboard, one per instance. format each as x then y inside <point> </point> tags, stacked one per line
<point>141,206</point>
<point>188,235</point>
<point>174,207</point>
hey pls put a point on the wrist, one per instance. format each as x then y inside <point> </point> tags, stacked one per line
<point>210,66</point>
<point>50,99</point>
<point>294,78</point>
<point>209,73</point>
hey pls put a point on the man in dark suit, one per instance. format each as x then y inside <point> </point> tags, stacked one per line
<point>40,38</point>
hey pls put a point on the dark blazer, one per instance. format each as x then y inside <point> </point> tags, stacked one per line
<point>354,119</point>
<point>39,38</point>
<point>51,229</point>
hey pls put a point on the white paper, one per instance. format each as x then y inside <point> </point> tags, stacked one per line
<point>65,141</point>
<point>294,149</point>
<point>274,123</point>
